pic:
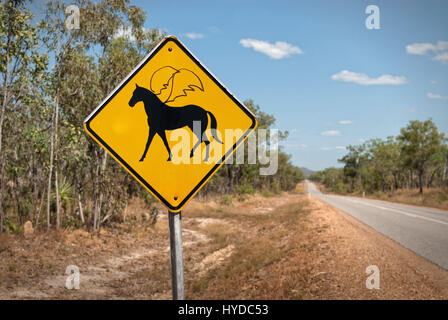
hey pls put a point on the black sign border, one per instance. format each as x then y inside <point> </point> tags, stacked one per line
<point>128,167</point>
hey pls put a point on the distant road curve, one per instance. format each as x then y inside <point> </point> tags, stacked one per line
<point>422,230</point>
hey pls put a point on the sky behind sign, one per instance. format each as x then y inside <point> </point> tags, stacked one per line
<point>314,65</point>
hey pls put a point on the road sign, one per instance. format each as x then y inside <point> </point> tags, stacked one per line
<point>171,124</point>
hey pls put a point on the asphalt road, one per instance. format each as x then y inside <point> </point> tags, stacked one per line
<point>422,230</point>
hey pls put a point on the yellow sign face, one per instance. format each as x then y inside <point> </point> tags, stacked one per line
<point>171,124</point>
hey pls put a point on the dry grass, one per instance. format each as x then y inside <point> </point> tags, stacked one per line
<point>277,247</point>
<point>258,267</point>
<point>433,197</point>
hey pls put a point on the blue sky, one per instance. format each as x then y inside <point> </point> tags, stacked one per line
<point>299,90</point>
<point>340,83</point>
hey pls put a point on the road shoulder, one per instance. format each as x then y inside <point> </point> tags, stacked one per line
<point>353,246</point>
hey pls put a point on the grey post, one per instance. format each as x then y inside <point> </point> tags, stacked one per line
<point>177,264</point>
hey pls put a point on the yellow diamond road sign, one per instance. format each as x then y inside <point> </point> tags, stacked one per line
<point>171,124</point>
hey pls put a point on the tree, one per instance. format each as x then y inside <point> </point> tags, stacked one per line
<point>112,32</point>
<point>420,141</point>
<point>353,163</point>
<point>20,63</point>
<point>385,157</point>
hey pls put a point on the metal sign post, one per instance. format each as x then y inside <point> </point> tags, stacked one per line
<point>177,264</point>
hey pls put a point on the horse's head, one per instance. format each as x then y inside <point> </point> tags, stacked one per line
<point>137,96</point>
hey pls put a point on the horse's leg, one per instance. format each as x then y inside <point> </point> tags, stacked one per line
<point>198,135</point>
<point>207,147</point>
<point>194,128</point>
<point>194,148</point>
<point>163,136</point>
<point>205,138</point>
<point>148,143</point>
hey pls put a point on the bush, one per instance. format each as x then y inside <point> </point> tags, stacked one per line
<point>153,215</point>
<point>245,189</point>
<point>265,192</point>
<point>341,188</point>
<point>275,188</point>
<point>442,196</point>
<point>226,200</point>
<point>13,227</point>
<point>71,222</point>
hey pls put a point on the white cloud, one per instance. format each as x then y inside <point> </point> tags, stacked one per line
<point>439,50</point>
<point>436,96</point>
<point>331,133</point>
<point>442,57</point>
<point>345,122</point>
<point>433,81</point>
<point>333,148</point>
<point>425,47</point>
<point>278,50</point>
<point>363,79</point>
<point>194,35</point>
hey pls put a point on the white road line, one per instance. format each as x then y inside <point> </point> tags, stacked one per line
<point>400,211</point>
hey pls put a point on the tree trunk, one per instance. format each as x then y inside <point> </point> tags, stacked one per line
<point>17,188</point>
<point>58,205</point>
<point>56,186</point>
<point>2,117</point>
<point>395,181</point>
<point>431,178</point>
<point>420,178</point>
<point>1,194</point>
<point>81,212</point>
<point>99,201</point>
<point>50,169</point>
<point>444,173</point>
<point>36,222</point>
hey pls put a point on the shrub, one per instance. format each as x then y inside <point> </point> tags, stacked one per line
<point>442,196</point>
<point>265,192</point>
<point>226,200</point>
<point>245,189</point>
<point>153,215</point>
<point>70,221</point>
<point>340,187</point>
<point>13,227</point>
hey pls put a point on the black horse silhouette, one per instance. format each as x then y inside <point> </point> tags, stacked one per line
<point>162,117</point>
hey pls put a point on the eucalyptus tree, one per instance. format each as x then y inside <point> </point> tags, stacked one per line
<point>115,28</point>
<point>421,139</point>
<point>20,64</point>
<point>60,42</point>
<point>385,157</point>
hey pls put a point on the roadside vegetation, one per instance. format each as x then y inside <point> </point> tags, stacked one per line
<point>409,168</point>
<point>51,78</point>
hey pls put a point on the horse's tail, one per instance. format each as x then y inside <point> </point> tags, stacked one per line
<point>213,126</point>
